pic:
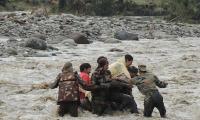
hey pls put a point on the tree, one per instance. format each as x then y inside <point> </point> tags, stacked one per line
<point>61,5</point>
<point>183,9</point>
<point>3,2</point>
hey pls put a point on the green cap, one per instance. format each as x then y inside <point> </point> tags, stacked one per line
<point>142,68</point>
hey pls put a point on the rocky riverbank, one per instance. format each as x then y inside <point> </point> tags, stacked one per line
<point>23,29</point>
<point>33,48</point>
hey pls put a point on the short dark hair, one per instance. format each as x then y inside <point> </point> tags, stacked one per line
<point>133,69</point>
<point>84,66</point>
<point>102,61</point>
<point>128,57</point>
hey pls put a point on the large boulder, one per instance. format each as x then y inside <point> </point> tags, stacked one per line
<point>79,38</point>
<point>115,50</point>
<point>36,43</point>
<point>124,35</point>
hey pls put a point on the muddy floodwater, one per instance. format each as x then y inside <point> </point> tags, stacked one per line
<point>174,60</point>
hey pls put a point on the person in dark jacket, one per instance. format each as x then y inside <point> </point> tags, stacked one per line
<point>121,93</point>
<point>100,96</point>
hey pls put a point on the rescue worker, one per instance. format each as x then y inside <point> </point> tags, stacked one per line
<point>68,94</point>
<point>146,83</point>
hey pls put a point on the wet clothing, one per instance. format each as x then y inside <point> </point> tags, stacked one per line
<point>68,94</point>
<point>68,87</point>
<point>100,96</point>
<point>86,104</point>
<point>68,107</point>
<point>125,90</point>
<point>96,100</point>
<point>155,100</point>
<point>119,68</point>
<point>84,100</point>
<point>146,84</point>
<point>85,77</point>
<point>124,101</point>
<point>122,94</point>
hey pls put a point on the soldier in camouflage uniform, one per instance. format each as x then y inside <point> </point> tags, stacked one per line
<point>146,83</point>
<point>68,94</point>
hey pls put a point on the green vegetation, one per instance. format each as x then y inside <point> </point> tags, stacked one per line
<point>21,5</point>
<point>183,10</point>
<point>143,2</point>
<point>173,10</point>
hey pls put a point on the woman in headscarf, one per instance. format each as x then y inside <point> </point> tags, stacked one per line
<point>119,68</point>
<point>119,71</point>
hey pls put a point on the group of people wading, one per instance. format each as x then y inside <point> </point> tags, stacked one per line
<point>108,89</point>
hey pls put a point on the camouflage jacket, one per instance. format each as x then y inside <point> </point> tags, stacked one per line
<point>106,84</point>
<point>99,78</point>
<point>68,87</point>
<point>147,83</point>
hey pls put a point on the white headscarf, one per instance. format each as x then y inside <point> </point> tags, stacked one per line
<point>119,68</point>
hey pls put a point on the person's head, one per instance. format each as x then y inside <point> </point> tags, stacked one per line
<point>102,62</point>
<point>85,67</point>
<point>142,68</point>
<point>133,71</point>
<point>128,60</point>
<point>67,67</point>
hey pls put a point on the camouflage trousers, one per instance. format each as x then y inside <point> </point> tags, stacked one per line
<point>152,101</point>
